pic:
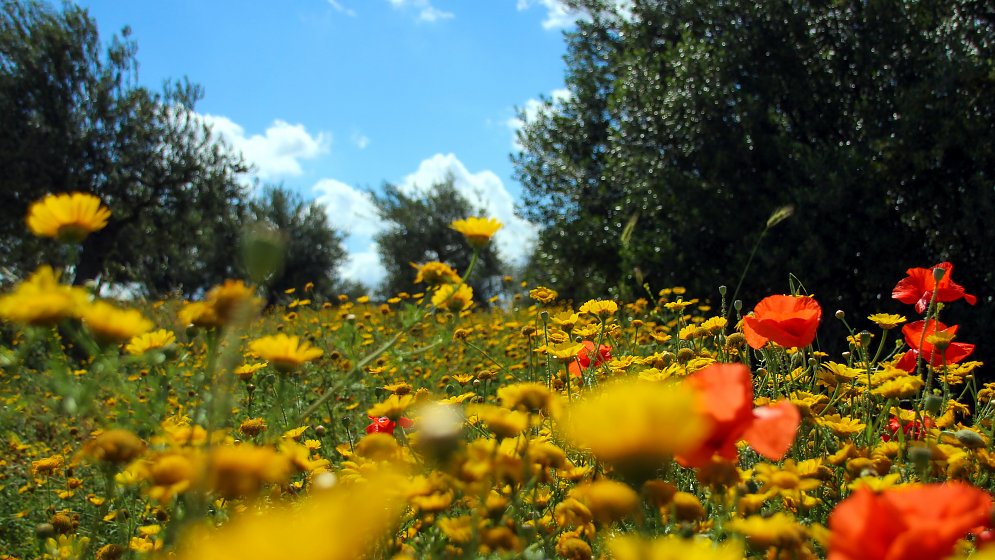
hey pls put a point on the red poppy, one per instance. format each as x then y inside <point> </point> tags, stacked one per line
<point>384,425</point>
<point>918,287</point>
<point>913,429</point>
<point>726,395</point>
<point>583,360</point>
<point>907,522</point>
<point>955,352</point>
<point>789,321</point>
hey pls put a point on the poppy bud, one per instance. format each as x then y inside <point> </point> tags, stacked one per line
<point>932,404</point>
<point>969,439</point>
<point>840,314</point>
<point>738,305</point>
<point>920,457</point>
<point>722,291</point>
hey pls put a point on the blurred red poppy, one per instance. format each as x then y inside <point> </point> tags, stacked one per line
<point>384,425</point>
<point>913,429</point>
<point>914,334</point>
<point>789,321</point>
<point>726,394</point>
<point>918,287</point>
<point>907,522</point>
<point>583,360</point>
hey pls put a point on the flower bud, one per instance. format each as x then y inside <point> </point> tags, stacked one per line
<point>840,314</point>
<point>722,291</point>
<point>969,438</point>
<point>262,252</point>
<point>932,403</point>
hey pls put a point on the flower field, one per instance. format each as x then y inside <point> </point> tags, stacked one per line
<point>426,426</point>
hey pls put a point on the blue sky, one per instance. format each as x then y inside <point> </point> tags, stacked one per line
<point>334,97</point>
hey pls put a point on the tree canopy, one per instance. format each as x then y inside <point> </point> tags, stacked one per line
<point>418,232</point>
<point>76,120</point>
<point>690,121</point>
<point>313,249</point>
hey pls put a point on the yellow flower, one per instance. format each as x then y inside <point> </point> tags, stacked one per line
<point>842,426</point>
<point>110,324</point>
<point>527,397</point>
<point>600,308</point>
<point>899,388</point>
<point>114,446</point>
<point>233,301</point>
<point>478,231</point>
<point>246,371</point>
<point>199,314</point>
<point>48,465</point>
<point>155,340</point>
<point>637,427</point>
<point>566,351</point>
<point>501,422</point>
<point>237,472</point>
<point>434,273</point>
<point>608,501</point>
<point>543,294</point>
<point>779,530</point>
<point>673,548</point>
<point>341,523</point>
<point>252,427</point>
<point>887,321</point>
<point>286,353</point>
<point>67,217</point>
<point>41,300</point>
<point>453,298</point>
<point>393,408</point>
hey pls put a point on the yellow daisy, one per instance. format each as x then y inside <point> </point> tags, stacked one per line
<point>478,231</point>
<point>67,217</point>
<point>286,353</point>
<point>155,340</point>
<point>110,324</point>
<point>41,300</point>
<point>453,298</point>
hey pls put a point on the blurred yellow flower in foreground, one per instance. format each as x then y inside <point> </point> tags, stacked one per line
<point>478,231</point>
<point>285,353</point>
<point>68,217</point>
<point>635,426</point>
<point>41,300</point>
<point>343,523</point>
<point>111,324</point>
<point>673,548</point>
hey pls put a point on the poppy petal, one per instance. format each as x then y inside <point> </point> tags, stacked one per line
<point>773,429</point>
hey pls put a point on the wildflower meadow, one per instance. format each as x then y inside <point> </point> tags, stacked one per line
<point>672,426</point>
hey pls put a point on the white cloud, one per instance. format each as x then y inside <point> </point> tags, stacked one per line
<point>352,211</point>
<point>558,16</point>
<point>349,210</point>
<point>484,189</point>
<point>342,9</point>
<point>364,267</point>
<point>277,152</point>
<point>531,109</point>
<point>426,11</point>
<point>360,140</point>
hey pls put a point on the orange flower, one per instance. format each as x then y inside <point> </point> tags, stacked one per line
<point>906,522</point>
<point>932,353</point>
<point>725,393</point>
<point>918,287</point>
<point>789,321</point>
<point>583,360</point>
